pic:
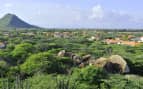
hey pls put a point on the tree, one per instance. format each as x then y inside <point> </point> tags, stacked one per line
<point>90,75</point>
<point>3,68</point>
<point>21,51</point>
<point>42,62</point>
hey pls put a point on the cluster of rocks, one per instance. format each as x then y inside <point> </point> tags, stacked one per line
<point>77,60</point>
<point>113,64</point>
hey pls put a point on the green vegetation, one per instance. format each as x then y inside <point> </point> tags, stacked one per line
<point>30,60</point>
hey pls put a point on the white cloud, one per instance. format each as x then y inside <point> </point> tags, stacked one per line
<point>97,12</point>
<point>8,5</point>
<point>98,17</point>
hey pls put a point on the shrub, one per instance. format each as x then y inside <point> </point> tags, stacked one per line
<point>42,62</point>
<point>89,74</point>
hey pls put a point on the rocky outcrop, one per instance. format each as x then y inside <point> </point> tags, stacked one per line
<point>113,64</point>
<point>77,60</point>
<point>98,62</point>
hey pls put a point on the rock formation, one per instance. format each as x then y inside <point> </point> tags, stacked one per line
<point>113,64</point>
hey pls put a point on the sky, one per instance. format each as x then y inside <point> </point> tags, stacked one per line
<point>77,13</point>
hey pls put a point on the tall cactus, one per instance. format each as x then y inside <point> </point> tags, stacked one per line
<point>65,84</point>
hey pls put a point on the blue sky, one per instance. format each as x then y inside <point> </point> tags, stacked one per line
<point>77,13</point>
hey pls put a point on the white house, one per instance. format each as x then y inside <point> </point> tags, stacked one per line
<point>137,39</point>
<point>2,45</point>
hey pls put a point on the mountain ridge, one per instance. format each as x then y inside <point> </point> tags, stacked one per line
<point>11,20</point>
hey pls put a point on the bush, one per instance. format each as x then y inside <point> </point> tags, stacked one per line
<point>42,62</point>
<point>3,68</point>
<point>123,82</point>
<point>21,51</point>
<point>89,74</point>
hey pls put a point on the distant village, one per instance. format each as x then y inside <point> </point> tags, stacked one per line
<point>131,40</point>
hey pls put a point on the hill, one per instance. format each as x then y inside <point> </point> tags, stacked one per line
<point>13,21</point>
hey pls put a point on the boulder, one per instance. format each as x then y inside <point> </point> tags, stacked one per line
<point>98,62</point>
<point>113,64</point>
<point>113,67</point>
<point>86,58</point>
<point>85,61</point>
<point>61,53</point>
<point>116,59</point>
<point>75,58</point>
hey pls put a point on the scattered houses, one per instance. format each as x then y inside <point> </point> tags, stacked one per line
<point>2,45</point>
<point>137,39</point>
<point>6,33</point>
<point>121,42</point>
<point>28,33</point>
<point>92,38</point>
<point>67,34</point>
<point>112,41</point>
<point>62,34</point>
<point>58,35</point>
<point>130,43</point>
